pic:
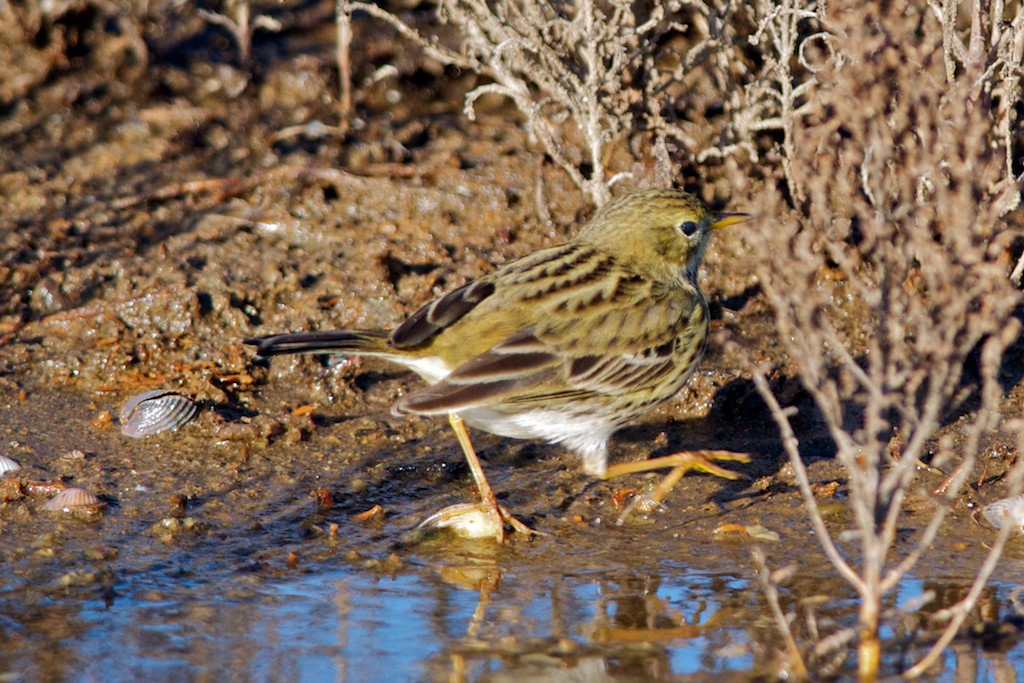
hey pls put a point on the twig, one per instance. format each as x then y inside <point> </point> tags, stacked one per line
<point>771,593</point>
<point>343,19</point>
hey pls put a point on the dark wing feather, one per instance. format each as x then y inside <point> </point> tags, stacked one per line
<point>449,397</point>
<point>507,369</point>
<point>439,314</point>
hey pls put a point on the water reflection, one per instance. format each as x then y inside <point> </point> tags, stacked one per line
<point>593,627</point>
<point>460,622</point>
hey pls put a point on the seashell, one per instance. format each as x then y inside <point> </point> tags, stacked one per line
<point>465,520</point>
<point>73,499</point>
<point>1006,511</point>
<point>8,465</point>
<point>155,411</point>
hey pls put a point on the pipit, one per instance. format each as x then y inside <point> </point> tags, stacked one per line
<point>567,344</point>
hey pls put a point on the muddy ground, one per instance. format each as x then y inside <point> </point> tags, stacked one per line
<point>158,206</point>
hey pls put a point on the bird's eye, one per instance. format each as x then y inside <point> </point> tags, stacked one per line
<point>687,228</point>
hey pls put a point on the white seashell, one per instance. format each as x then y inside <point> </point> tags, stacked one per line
<point>8,465</point>
<point>466,520</point>
<point>72,499</point>
<point>155,411</point>
<point>1006,511</point>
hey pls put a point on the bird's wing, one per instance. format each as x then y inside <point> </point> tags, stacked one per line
<point>615,374</point>
<point>440,314</point>
<point>507,369</point>
<point>603,350</point>
<point>427,325</point>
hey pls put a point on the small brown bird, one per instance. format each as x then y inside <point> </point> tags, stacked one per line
<point>567,344</point>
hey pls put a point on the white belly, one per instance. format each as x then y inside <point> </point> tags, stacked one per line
<point>586,436</point>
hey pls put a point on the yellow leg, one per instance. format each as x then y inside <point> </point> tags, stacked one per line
<point>487,496</point>
<point>680,463</point>
<point>689,460</point>
<point>465,518</point>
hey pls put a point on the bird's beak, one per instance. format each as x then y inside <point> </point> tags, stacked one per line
<point>724,220</point>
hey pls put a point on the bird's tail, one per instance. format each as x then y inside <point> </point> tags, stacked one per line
<point>334,341</point>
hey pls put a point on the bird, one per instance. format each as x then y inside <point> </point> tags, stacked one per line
<point>566,345</point>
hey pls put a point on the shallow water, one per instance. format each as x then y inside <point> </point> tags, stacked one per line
<point>344,624</point>
<point>349,625</point>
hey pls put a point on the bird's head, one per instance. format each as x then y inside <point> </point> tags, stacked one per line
<point>661,234</point>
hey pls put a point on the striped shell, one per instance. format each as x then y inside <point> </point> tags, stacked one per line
<point>73,499</point>
<point>155,411</point>
<point>1006,511</point>
<point>8,465</point>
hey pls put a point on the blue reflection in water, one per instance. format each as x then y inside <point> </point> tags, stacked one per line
<point>327,626</point>
<point>350,625</point>
<point>496,619</point>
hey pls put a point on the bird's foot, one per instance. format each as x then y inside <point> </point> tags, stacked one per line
<point>476,520</point>
<point>681,463</point>
<point>702,462</point>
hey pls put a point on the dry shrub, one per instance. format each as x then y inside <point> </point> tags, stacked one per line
<point>676,81</point>
<point>904,187</point>
<point>236,17</point>
<point>583,74</point>
<point>772,88</point>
